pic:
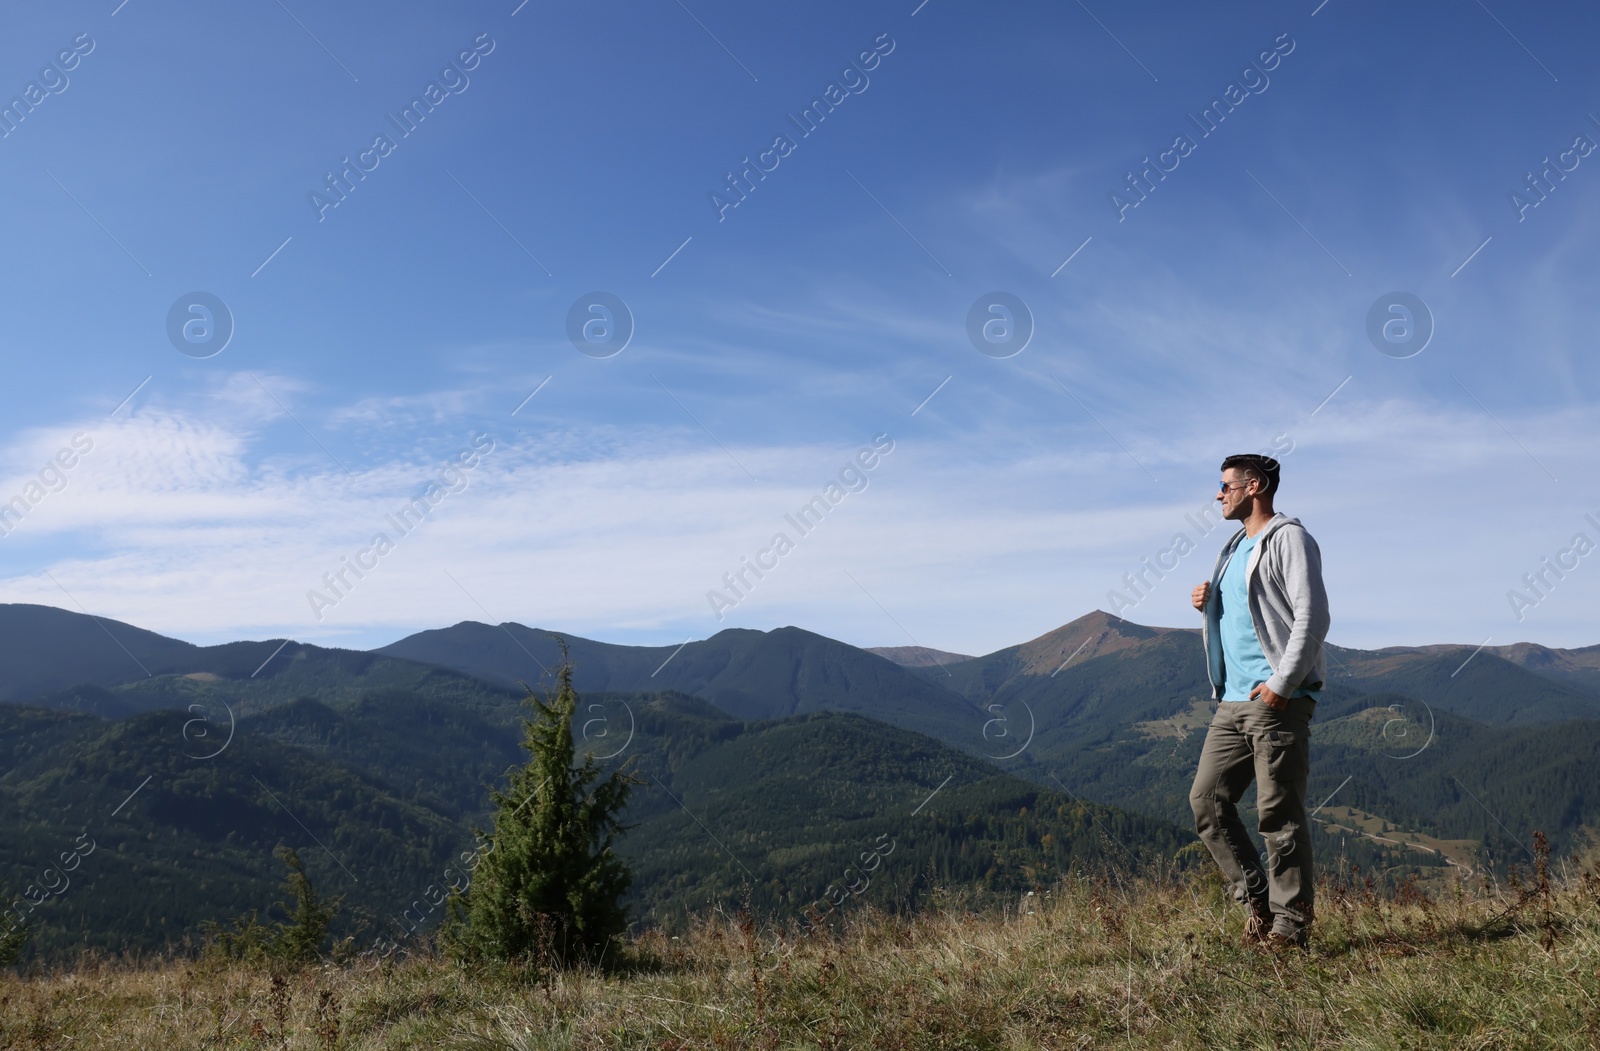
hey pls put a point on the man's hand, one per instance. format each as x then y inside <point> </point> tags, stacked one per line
<point>1268,698</point>
<point>1199,595</point>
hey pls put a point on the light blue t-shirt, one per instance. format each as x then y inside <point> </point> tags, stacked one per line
<point>1245,666</point>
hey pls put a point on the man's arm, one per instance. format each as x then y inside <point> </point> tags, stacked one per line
<point>1302,578</point>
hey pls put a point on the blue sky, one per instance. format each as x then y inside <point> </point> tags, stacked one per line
<point>774,340</point>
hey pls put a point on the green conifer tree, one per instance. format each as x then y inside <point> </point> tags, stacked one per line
<point>548,888</point>
<point>300,939</point>
<point>12,936</point>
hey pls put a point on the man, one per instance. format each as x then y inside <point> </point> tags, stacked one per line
<point>1266,616</point>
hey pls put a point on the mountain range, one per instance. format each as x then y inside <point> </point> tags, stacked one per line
<point>769,761</point>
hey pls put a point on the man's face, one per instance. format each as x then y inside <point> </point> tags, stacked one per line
<point>1238,498</point>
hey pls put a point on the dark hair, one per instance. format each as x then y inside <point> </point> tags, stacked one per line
<point>1264,468</point>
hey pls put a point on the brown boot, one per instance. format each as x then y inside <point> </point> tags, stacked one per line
<point>1288,944</point>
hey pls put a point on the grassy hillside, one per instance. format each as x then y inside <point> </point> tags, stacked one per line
<point>1097,961</point>
<point>1100,717</point>
<point>380,792</point>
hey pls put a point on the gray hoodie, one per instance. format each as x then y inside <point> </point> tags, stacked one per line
<point>1287,604</point>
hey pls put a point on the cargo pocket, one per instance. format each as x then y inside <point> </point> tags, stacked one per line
<point>1283,754</point>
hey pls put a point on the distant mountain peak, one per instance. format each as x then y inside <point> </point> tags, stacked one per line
<point>1091,635</point>
<point>918,656</point>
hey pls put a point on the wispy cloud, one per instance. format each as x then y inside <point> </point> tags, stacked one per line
<point>187,525</point>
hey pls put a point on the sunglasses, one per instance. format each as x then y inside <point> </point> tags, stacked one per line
<point>1223,487</point>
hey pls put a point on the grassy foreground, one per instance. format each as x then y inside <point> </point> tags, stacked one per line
<point>1096,962</point>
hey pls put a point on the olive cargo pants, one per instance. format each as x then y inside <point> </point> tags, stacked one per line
<point>1248,741</point>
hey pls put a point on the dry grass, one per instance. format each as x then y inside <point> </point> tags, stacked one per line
<point>1098,962</point>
